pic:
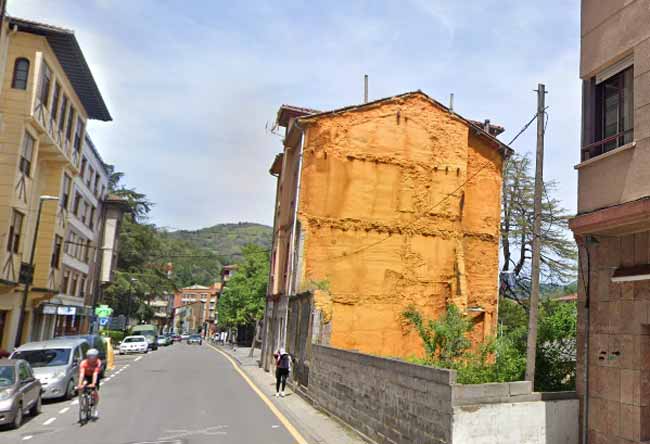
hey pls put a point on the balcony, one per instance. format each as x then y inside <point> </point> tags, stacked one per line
<point>52,139</point>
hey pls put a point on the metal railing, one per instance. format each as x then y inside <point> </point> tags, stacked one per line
<point>597,148</point>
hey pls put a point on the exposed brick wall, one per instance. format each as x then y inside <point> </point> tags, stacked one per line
<point>389,401</point>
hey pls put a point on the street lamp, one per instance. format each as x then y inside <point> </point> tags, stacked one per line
<point>21,318</point>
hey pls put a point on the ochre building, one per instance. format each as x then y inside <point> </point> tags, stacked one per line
<point>380,206</point>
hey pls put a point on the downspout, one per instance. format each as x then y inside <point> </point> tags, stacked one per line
<point>289,285</point>
<point>587,284</point>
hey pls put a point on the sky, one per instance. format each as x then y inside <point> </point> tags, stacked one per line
<point>194,85</point>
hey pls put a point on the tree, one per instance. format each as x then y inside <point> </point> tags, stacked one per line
<point>243,299</point>
<point>558,251</point>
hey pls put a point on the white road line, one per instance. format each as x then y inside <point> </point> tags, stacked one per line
<point>63,410</point>
<point>137,359</point>
<point>28,437</point>
<point>75,402</point>
<point>49,421</point>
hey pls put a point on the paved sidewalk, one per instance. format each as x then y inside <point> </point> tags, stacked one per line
<point>317,427</point>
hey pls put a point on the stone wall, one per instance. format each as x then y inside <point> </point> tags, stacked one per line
<point>391,401</point>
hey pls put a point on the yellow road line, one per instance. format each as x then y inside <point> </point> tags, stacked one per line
<point>283,419</point>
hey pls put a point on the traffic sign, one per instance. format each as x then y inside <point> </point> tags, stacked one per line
<point>103,322</point>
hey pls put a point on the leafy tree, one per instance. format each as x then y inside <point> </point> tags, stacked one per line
<point>242,301</point>
<point>558,251</point>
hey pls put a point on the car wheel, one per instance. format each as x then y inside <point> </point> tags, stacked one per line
<point>69,390</point>
<point>18,417</point>
<point>37,408</point>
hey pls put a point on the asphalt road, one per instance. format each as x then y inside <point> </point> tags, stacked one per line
<point>181,394</point>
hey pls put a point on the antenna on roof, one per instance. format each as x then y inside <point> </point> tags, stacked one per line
<point>365,88</point>
<point>451,102</point>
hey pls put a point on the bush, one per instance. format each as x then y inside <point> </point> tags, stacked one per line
<point>115,335</point>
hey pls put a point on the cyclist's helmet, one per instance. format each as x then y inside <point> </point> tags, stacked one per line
<point>92,353</point>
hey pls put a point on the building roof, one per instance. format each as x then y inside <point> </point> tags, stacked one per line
<point>67,50</point>
<point>92,146</point>
<point>567,298</point>
<point>306,115</point>
<point>195,287</point>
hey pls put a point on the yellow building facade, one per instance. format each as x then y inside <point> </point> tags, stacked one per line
<point>379,207</point>
<point>47,96</point>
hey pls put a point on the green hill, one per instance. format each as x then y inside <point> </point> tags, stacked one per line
<point>226,240</point>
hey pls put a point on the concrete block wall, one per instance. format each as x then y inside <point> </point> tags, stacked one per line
<point>391,401</point>
<point>387,400</point>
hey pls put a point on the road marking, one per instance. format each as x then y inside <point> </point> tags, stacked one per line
<point>275,426</point>
<point>137,359</point>
<point>75,402</point>
<point>28,437</point>
<point>283,419</point>
<point>63,410</point>
<point>49,421</point>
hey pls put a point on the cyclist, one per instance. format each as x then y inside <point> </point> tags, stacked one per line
<point>89,376</point>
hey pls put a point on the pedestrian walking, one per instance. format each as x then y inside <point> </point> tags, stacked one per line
<point>282,369</point>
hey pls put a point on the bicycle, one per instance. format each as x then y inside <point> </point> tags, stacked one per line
<point>86,404</point>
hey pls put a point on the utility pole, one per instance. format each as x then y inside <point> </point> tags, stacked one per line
<point>537,225</point>
<point>365,88</point>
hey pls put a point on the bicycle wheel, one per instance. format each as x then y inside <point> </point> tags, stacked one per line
<point>84,408</point>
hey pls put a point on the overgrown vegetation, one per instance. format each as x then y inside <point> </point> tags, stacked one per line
<point>502,358</point>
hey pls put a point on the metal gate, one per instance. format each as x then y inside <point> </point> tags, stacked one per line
<point>299,335</point>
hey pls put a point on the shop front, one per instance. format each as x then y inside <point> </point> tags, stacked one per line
<point>52,320</point>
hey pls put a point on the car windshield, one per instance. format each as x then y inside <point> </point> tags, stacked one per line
<point>7,376</point>
<point>139,339</point>
<point>195,337</point>
<point>50,357</point>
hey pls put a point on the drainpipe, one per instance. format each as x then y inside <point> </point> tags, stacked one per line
<point>589,240</point>
<point>289,285</point>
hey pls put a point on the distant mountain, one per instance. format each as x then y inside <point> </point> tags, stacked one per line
<point>226,240</point>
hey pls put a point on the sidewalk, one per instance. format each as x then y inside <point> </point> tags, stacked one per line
<point>315,426</point>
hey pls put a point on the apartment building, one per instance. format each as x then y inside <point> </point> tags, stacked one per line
<point>379,206</point>
<point>612,226</point>
<point>48,94</point>
<point>69,311</point>
<point>207,297</point>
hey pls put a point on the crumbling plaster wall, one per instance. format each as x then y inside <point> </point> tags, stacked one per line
<point>399,204</point>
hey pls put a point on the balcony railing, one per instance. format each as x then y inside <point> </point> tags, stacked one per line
<point>607,144</point>
<point>44,117</point>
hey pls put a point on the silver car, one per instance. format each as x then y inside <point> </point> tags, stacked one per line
<point>55,364</point>
<point>20,391</point>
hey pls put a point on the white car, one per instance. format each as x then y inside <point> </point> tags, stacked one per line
<point>133,344</point>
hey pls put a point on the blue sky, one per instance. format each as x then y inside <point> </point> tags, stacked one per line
<point>191,85</point>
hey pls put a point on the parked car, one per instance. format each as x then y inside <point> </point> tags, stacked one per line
<point>195,339</point>
<point>163,341</point>
<point>20,391</point>
<point>94,341</point>
<point>55,364</point>
<point>184,336</point>
<point>133,344</point>
<point>149,331</point>
<point>176,338</point>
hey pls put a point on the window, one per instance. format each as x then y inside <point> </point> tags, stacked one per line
<point>101,193</point>
<point>25,165</point>
<point>64,106</point>
<point>82,287</point>
<point>87,255</point>
<point>77,134</point>
<point>56,253</point>
<point>613,115</point>
<point>15,230</point>
<point>83,211</point>
<point>91,174</point>
<point>96,183</point>
<point>66,281</point>
<point>73,284</point>
<point>67,183</point>
<point>68,130</point>
<point>55,100</point>
<point>91,220</point>
<point>21,73</point>
<point>77,201</point>
<point>84,163</point>
<point>45,83</point>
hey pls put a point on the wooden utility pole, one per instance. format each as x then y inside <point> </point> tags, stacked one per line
<point>537,228</point>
